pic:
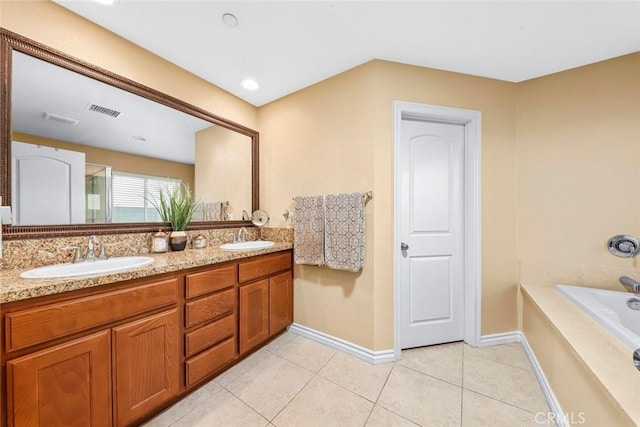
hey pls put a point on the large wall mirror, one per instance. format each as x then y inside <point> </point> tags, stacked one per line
<point>84,150</point>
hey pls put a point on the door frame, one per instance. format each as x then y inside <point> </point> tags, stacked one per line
<point>471,120</point>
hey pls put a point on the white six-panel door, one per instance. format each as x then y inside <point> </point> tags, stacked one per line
<point>431,203</point>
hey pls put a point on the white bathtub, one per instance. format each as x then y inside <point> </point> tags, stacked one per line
<point>609,309</point>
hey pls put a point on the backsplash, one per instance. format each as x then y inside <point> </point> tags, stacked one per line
<point>30,253</point>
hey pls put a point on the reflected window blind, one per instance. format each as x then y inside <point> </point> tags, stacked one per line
<point>132,195</point>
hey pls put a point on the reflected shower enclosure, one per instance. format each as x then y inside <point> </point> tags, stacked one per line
<point>98,193</point>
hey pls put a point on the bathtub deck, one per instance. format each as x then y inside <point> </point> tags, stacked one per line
<point>608,359</point>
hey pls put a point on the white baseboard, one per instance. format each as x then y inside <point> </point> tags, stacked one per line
<point>371,356</point>
<point>517,336</point>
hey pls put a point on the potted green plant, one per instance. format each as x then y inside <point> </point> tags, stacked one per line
<point>176,207</point>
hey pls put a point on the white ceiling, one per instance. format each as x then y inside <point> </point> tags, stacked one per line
<point>287,46</point>
<point>144,127</point>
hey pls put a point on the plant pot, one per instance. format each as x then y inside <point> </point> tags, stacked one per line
<point>178,240</point>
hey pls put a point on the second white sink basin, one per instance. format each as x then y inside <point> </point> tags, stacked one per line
<point>247,246</point>
<point>86,268</point>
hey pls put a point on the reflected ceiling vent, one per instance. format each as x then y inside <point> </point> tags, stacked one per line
<point>60,119</point>
<point>104,110</point>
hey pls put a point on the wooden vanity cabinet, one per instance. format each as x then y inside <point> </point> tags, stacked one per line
<point>146,361</point>
<point>68,384</point>
<point>211,322</point>
<point>116,355</point>
<point>280,302</point>
<point>98,366</point>
<point>266,298</point>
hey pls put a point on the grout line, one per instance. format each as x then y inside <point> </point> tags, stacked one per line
<point>501,401</point>
<point>491,397</point>
<point>369,416</point>
<point>431,376</point>
<point>291,400</point>
<point>386,380</point>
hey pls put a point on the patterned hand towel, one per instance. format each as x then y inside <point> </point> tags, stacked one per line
<point>308,231</point>
<point>344,231</point>
<point>209,212</point>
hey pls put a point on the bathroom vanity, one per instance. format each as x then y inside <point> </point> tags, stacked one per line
<point>118,353</point>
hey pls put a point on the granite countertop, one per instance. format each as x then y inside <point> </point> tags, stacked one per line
<point>15,288</point>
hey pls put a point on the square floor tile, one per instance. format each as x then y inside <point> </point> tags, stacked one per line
<point>357,375</point>
<point>422,399</point>
<point>321,404</point>
<point>279,341</point>
<point>509,354</point>
<point>518,387</point>
<point>270,385</point>
<point>479,410</point>
<point>242,367</point>
<point>184,406</point>
<point>305,352</point>
<point>381,417</point>
<point>222,410</point>
<point>440,361</point>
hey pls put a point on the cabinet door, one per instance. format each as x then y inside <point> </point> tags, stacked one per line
<point>65,385</point>
<point>280,302</point>
<point>146,365</point>
<point>254,314</point>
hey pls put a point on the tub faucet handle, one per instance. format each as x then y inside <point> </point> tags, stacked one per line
<point>629,283</point>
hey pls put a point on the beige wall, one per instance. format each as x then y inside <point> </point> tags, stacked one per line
<point>120,162</point>
<point>579,173</point>
<point>223,169</point>
<point>339,138</point>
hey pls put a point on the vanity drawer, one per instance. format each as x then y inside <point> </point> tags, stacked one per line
<point>210,281</point>
<point>210,334</point>
<point>206,363</point>
<point>264,266</point>
<point>208,308</point>
<point>33,326</point>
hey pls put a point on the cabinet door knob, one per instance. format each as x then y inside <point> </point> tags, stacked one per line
<point>404,247</point>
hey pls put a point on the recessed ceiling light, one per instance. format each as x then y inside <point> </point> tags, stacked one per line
<point>249,84</point>
<point>230,19</point>
<point>107,2</point>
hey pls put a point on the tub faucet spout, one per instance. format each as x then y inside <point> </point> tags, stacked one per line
<point>629,283</point>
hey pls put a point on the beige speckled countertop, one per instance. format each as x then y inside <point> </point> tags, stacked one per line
<point>15,288</point>
<point>607,357</point>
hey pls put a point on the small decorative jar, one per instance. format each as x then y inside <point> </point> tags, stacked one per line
<point>199,242</point>
<point>160,242</point>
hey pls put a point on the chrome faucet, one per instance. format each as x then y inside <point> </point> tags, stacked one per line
<point>629,283</point>
<point>242,234</point>
<point>91,252</point>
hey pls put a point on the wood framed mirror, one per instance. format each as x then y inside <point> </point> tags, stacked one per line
<point>210,137</point>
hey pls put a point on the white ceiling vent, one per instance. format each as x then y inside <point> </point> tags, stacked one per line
<point>104,110</point>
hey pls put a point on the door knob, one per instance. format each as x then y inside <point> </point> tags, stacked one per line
<point>404,247</point>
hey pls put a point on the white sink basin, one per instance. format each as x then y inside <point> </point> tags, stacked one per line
<point>247,246</point>
<point>85,268</point>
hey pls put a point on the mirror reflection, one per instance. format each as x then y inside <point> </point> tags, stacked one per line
<point>83,151</point>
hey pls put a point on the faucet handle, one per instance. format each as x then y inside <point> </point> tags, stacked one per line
<point>103,250</point>
<point>77,256</point>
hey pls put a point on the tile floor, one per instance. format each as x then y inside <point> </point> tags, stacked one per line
<point>296,382</point>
